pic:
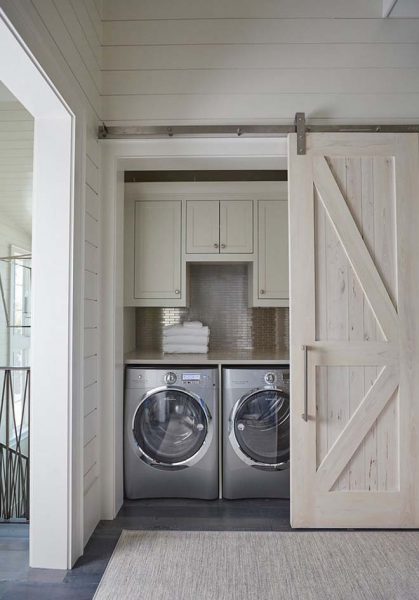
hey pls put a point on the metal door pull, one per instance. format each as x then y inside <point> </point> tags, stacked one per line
<point>305,413</point>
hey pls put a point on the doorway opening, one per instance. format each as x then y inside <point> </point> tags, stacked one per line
<point>36,313</point>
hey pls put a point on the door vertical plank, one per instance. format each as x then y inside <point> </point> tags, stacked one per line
<point>384,249</point>
<point>321,326</point>
<point>407,218</point>
<point>302,331</point>
<point>356,474</point>
<point>337,322</point>
<point>371,330</point>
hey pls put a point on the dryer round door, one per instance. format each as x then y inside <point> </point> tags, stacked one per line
<point>172,428</point>
<point>259,429</point>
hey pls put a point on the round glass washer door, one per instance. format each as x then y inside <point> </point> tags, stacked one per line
<point>260,429</point>
<point>171,428</point>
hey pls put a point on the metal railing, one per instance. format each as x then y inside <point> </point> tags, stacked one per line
<point>14,445</point>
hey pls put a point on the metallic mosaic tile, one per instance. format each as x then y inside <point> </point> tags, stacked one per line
<point>219,298</point>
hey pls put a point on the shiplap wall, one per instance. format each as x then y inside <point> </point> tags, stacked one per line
<point>16,166</point>
<point>16,173</point>
<point>72,30</point>
<point>194,61</point>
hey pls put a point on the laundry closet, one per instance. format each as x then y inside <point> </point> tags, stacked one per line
<point>339,345</point>
<point>206,335</point>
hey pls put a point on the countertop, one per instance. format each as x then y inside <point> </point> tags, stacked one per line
<point>250,357</point>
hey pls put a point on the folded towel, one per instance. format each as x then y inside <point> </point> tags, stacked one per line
<point>185,349</point>
<point>192,324</point>
<point>196,340</point>
<point>175,330</point>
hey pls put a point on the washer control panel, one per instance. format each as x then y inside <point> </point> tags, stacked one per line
<point>270,378</point>
<point>189,377</point>
<point>170,378</point>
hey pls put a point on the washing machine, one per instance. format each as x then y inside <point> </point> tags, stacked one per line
<point>170,433</point>
<point>256,432</point>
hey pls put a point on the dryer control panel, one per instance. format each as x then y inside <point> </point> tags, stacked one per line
<point>257,377</point>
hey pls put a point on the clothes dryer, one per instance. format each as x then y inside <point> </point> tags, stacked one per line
<point>256,438</point>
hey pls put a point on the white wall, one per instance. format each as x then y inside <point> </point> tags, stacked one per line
<point>238,61</point>
<point>65,37</point>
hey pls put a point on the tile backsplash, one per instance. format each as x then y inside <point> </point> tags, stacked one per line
<point>219,298</point>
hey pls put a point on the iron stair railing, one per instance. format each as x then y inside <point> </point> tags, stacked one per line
<point>14,458</point>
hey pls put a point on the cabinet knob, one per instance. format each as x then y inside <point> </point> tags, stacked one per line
<point>215,245</point>
<point>262,292</point>
<point>223,245</point>
<point>177,291</point>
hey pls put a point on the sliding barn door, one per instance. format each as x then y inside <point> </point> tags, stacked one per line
<point>354,336</point>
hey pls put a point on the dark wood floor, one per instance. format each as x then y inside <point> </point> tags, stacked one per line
<point>18,582</point>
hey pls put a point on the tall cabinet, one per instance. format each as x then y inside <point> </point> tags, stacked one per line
<point>271,280</point>
<point>153,258</point>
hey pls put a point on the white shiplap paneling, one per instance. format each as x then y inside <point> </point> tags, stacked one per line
<point>62,33</point>
<point>258,31</point>
<point>196,61</point>
<point>248,9</point>
<point>16,168</point>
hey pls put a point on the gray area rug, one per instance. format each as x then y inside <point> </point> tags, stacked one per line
<point>314,565</point>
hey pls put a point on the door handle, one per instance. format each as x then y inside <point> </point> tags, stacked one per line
<point>304,416</point>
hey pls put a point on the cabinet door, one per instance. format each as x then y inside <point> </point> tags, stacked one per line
<point>273,249</point>
<point>202,227</point>
<point>236,226</point>
<point>157,253</point>
<point>354,222</point>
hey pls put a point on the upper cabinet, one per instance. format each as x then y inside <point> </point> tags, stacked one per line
<point>236,226</point>
<point>271,287</point>
<point>219,227</point>
<point>153,265</point>
<point>170,225</point>
<point>202,227</point>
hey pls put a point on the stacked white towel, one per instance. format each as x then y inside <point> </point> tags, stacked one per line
<point>189,338</point>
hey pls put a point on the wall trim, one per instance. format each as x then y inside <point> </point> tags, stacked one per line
<point>56,528</point>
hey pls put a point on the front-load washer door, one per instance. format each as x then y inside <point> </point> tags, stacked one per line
<point>259,429</point>
<point>172,428</point>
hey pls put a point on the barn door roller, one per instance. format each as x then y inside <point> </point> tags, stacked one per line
<point>300,129</point>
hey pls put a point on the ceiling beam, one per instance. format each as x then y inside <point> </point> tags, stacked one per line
<point>388,7</point>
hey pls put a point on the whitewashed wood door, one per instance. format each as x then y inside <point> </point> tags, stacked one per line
<point>354,333</point>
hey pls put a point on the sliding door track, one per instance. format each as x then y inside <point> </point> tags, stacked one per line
<point>300,126</point>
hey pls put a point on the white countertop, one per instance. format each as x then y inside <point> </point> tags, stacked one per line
<point>251,357</point>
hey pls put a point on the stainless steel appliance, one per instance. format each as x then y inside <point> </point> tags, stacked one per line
<point>256,409</point>
<point>170,437</point>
